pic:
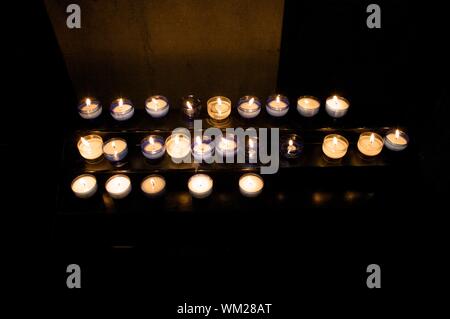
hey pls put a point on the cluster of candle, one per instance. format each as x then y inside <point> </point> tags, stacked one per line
<point>199,185</point>
<point>218,107</point>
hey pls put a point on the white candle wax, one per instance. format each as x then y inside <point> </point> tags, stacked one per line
<point>153,185</point>
<point>115,149</point>
<point>122,111</point>
<point>336,106</point>
<point>84,186</point>
<point>219,107</point>
<point>178,146</point>
<point>90,147</point>
<point>118,186</point>
<point>249,109</point>
<point>251,185</point>
<point>227,147</point>
<point>396,140</point>
<point>370,144</point>
<point>200,185</point>
<point>277,107</point>
<point>157,106</point>
<point>335,146</point>
<point>201,151</point>
<point>308,106</point>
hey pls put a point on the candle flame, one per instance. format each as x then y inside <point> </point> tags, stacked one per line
<point>278,99</point>
<point>335,99</point>
<point>189,105</point>
<point>113,144</point>
<point>177,139</point>
<point>84,141</point>
<point>251,101</point>
<point>88,101</point>
<point>152,182</point>
<point>335,141</point>
<point>155,103</point>
<point>120,102</point>
<point>150,140</point>
<point>291,142</point>
<point>372,138</point>
<point>198,140</point>
<point>306,101</point>
<point>219,101</point>
<point>397,134</point>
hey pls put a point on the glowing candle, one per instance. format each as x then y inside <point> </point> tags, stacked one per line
<point>370,144</point>
<point>157,106</point>
<point>191,106</point>
<point>122,109</point>
<point>219,107</point>
<point>153,185</point>
<point>89,109</point>
<point>277,105</point>
<point>200,185</point>
<point>337,106</point>
<point>252,149</point>
<point>308,106</point>
<point>91,147</point>
<point>152,147</point>
<point>251,185</point>
<point>84,186</point>
<point>335,146</point>
<point>201,149</point>
<point>249,106</point>
<point>178,146</point>
<point>118,186</point>
<point>227,146</point>
<point>291,146</point>
<point>115,149</point>
<point>396,140</point>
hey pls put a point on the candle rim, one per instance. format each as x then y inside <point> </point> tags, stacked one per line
<point>113,140</point>
<point>125,101</point>
<point>90,137</point>
<point>200,175</point>
<point>116,176</point>
<point>310,97</point>
<point>339,97</point>
<point>402,133</point>
<point>338,137</point>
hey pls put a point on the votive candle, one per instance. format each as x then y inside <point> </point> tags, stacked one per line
<point>370,144</point>
<point>157,106</point>
<point>219,107</point>
<point>335,146</point>
<point>249,106</point>
<point>90,147</point>
<point>200,185</point>
<point>121,109</point>
<point>115,149</point>
<point>308,106</point>
<point>153,185</point>
<point>118,186</point>
<point>277,105</point>
<point>152,147</point>
<point>251,185</point>
<point>396,140</point>
<point>89,108</point>
<point>337,106</point>
<point>84,186</point>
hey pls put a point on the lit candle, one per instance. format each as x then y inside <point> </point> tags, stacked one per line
<point>277,105</point>
<point>178,146</point>
<point>335,146</point>
<point>153,185</point>
<point>118,186</point>
<point>122,109</point>
<point>115,149</point>
<point>201,149</point>
<point>191,106</point>
<point>251,185</point>
<point>308,106</point>
<point>219,107</point>
<point>370,144</point>
<point>91,147</point>
<point>152,147</point>
<point>157,106</point>
<point>252,149</point>
<point>84,186</point>
<point>249,106</point>
<point>396,140</point>
<point>227,147</point>
<point>291,146</point>
<point>337,106</point>
<point>89,109</point>
<point>200,185</point>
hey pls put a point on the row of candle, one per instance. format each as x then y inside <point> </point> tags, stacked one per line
<point>219,107</point>
<point>199,185</point>
<point>179,146</point>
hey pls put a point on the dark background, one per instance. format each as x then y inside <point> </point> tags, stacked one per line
<point>392,77</point>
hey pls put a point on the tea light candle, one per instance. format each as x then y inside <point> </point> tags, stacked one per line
<point>202,149</point>
<point>291,146</point>
<point>178,146</point>
<point>308,106</point>
<point>396,140</point>
<point>251,185</point>
<point>335,146</point>
<point>152,147</point>
<point>84,186</point>
<point>153,185</point>
<point>277,105</point>
<point>249,107</point>
<point>219,107</point>
<point>200,185</point>
<point>157,106</point>
<point>89,109</point>
<point>337,106</point>
<point>122,109</point>
<point>227,147</point>
<point>115,149</point>
<point>252,149</point>
<point>191,106</point>
<point>370,144</point>
<point>91,147</point>
<point>118,186</point>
